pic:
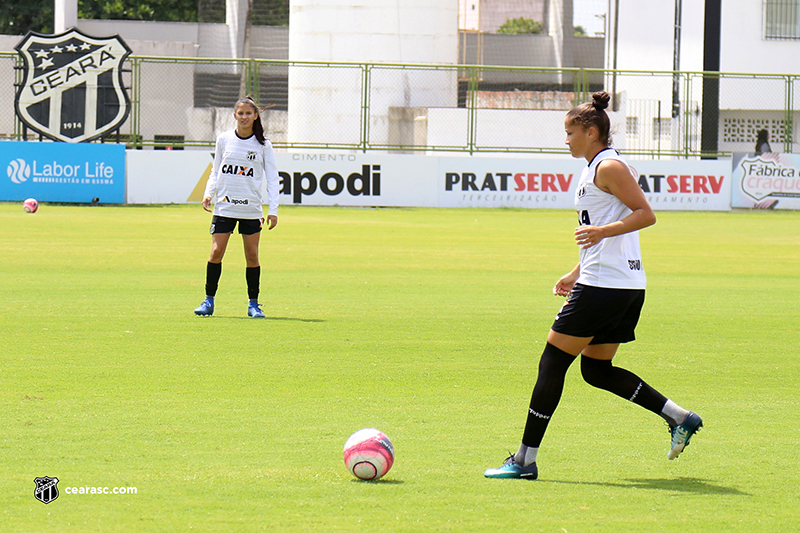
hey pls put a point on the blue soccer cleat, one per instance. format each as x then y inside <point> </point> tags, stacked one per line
<point>206,308</point>
<point>512,470</point>
<point>254,310</point>
<point>682,433</point>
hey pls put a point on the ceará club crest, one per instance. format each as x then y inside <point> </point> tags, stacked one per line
<point>72,88</point>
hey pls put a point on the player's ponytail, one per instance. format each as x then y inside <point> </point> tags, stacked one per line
<point>258,128</point>
<point>594,114</point>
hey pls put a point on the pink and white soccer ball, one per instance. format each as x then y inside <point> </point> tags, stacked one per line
<point>368,454</point>
<point>30,205</point>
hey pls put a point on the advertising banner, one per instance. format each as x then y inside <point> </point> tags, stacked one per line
<point>668,185</point>
<point>167,176</point>
<point>418,180</point>
<point>369,179</point>
<point>308,178</point>
<point>683,185</point>
<point>62,172</point>
<point>766,181</point>
<point>484,182</point>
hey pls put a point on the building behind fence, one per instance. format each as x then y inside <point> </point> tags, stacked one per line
<point>180,103</point>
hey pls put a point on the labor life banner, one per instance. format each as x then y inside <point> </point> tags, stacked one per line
<point>62,172</point>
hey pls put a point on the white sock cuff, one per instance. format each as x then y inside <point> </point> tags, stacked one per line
<point>526,455</point>
<point>674,411</point>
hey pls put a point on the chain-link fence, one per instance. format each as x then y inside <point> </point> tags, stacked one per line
<point>179,103</point>
<point>9,125</point>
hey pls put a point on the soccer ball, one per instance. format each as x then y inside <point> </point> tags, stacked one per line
<point>368,454</point>
<point>30,205</point>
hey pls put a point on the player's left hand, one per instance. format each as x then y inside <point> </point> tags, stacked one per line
<point>272,221</point>
<point>588,236</point>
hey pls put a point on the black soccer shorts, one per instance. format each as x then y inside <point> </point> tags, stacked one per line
<point>247,226</point>
<point>608,315</point>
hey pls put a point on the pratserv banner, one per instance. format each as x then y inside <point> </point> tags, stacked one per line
<point>668,185</point>
<point>767,181</point>
<point>319,178</point>
<point>62,172</point>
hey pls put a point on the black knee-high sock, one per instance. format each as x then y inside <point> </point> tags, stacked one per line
<point>553,368</point>
<point>213,272</point>
<point>623,383</point>
<point>253,276</point>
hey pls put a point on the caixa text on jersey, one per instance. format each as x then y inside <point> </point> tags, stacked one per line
<point>364,183</point>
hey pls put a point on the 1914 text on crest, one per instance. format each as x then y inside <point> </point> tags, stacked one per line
<point>72,88</point>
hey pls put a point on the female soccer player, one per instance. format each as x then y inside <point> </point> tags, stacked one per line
<point>605,293</point>
<point>243,159</point>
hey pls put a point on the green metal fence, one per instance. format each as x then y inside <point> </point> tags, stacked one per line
<point>180,103</point>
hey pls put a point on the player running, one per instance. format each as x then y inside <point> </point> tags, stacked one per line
<point>605,293</point>
<point>243,159</point>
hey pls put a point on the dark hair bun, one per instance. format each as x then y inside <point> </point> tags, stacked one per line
<point>600,100</point>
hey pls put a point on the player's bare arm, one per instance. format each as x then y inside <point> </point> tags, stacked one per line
<point>614,178</point>
<point>567,282</point>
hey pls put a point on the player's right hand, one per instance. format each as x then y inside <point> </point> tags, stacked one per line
<point>565,285</point>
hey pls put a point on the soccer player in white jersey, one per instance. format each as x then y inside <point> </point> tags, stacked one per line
<point>244,162</point>
<point>605,293</point>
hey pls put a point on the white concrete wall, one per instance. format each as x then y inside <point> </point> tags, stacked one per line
<point>414,31</point>
<point>418,31</point>
<point>504,128</point>
<point>646,34</point>
<point>744,48</point>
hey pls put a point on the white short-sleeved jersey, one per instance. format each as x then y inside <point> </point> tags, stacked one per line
<point>614,262</point>
<point>241,169</point>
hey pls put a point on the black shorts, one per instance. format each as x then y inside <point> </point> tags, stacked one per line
<point>608,315</point>
<point>247,226</point>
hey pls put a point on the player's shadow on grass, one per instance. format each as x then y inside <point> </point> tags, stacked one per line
<point>379,481</point>
<point>679,484</point>
<point>279,318</point>
<point>685,484</point>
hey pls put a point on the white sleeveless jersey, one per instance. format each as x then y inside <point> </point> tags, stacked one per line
<point>614,262</point>
<point>237,178</point>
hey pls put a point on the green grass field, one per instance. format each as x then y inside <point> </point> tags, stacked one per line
<point>427,324</point>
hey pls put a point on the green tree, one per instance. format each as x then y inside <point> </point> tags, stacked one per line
<point>18,18</point>
<point>270,13</point>
<point>164,10</point>
<point>579,31</point>
<point>520,26</point>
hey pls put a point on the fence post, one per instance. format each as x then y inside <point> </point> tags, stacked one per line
<point>136,107</point>
<point>788,140</point>
<point>255,84</point>
<point>580,87</point>
<point>366,70</point>
<point>472,103</point>
<point>19,133</point>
